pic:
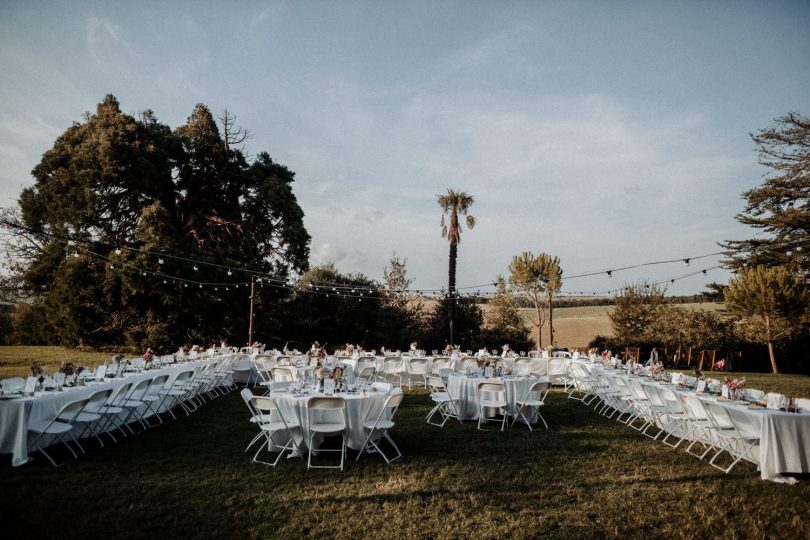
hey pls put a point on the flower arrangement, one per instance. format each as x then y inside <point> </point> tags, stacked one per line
<point>736,387</point>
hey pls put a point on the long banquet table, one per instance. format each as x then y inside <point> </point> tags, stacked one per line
<point>784,438</point>
<point>18,413</point>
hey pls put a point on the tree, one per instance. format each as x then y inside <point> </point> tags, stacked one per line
<point>537,278</point>
<point>636,312</point>
<point>468,322</point>
<point>452,204</point>
<point>780,207</point>
<point>396,281</point>
<point>505,324</point>
<point>771,301</point>
<point>118,206</point>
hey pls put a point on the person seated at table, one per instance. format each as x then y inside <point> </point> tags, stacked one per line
<point>349,350</point>
<point>413,348</point>
<point>448,349</point>
<point>148,356</point>
<point>506,351</point>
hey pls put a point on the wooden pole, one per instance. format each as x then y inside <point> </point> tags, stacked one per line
<point>250,323</point>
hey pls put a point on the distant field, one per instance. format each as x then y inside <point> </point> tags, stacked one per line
<point>578,326</point>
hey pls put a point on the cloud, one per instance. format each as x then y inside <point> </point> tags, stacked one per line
<point>101,35</point>
<point>346,259</point>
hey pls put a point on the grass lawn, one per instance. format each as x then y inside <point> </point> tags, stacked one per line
<point>586,477</point>
<point>15,361</point>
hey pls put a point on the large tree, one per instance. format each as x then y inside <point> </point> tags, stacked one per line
<point>772,302</point>
<point>780,207</point>
<point>119,205</point>
<point>537,278</point>
<point>454,204</point>
<point>637,311</point>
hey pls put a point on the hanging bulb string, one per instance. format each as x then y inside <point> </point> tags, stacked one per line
<point>336,287</point>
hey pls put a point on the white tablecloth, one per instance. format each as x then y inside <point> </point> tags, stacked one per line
<point>784,438</point>
<point>465,390</point>
<point>17,414</point>
<point>358,409</point>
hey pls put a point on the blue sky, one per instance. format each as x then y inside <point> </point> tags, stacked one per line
<point>606,133</point>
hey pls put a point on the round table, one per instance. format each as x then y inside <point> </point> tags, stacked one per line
<point>465,389</point>
<point>359,408</point>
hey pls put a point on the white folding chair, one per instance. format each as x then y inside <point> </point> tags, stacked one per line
<point>417,368</point>
<point>391,370</point>
<point>91,416</point>
<point>152,395</point>
<point>492,396</point>
<point>738,444</point>
<point>282,374</point>
<point>59,427</point>
<point>271,422</point>
<point>133,403</point>
<point>534,399</point>
<point>378,429</point>
<point>701,428</point>
<point>255,416</point>
<point>317,408</point>
<point>444,405</point>
<point>365,374</point>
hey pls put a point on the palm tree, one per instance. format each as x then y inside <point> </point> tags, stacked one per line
<point>454,203</point>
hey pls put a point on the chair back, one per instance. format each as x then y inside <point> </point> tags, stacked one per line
<point>283,360</point>
<point>492,391</point>
<point>98,399</point>
<point>71,410</point>
<point>392,364</point>
<point>282,374</point>
<point>468,362</point>
<point>120,395</point>
<point>441,362</point>
<point>366,372</point>
<point>140,389</point>
<point>418,366</point>
<point>436,384</point>
<point>158,383</point>
<point>539,389</point>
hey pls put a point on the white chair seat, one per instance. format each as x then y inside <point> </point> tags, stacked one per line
<point>277,426</point>
<point>492,403</point>
<point>87,417</point>
<point>49,427</point>
<point>132,403</point>
<point>327,428</point>
<point>110,410</point>
<point>531,403</point>
<point>382,424</point>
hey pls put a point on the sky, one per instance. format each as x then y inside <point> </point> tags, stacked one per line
<point>608,134</point>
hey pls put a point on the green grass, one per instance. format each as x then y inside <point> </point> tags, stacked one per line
<point>586,477</point>
<point>16,360</point>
